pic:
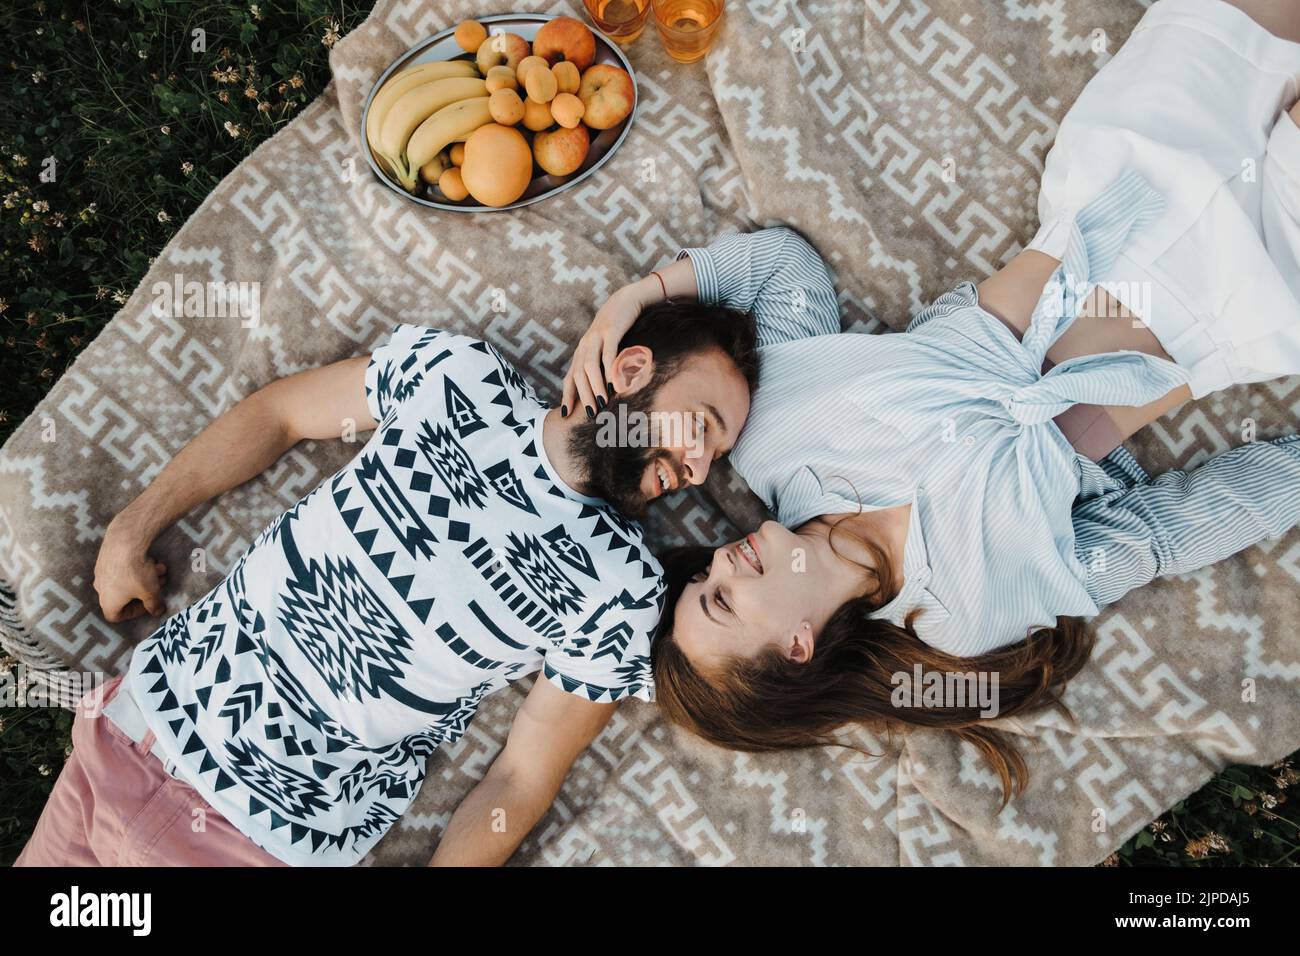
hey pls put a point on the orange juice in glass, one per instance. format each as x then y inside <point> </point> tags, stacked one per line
<point>620,20</point>
<point>687,26</point>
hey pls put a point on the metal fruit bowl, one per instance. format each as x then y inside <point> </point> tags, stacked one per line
<point>443,46</point>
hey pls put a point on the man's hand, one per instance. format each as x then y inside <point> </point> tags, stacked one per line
<point>550,730</point>
<point>128,580</point>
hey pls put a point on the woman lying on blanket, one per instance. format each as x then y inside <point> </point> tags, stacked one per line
<point>946,507</point>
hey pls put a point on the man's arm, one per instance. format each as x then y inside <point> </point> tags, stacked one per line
<point>550,730</point>
<point>241,443</point>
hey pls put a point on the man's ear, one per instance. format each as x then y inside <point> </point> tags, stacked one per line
<point>633,369</point>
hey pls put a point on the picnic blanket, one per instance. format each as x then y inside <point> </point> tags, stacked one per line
<point>905,139</point>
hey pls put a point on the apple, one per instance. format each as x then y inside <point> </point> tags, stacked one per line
<point>561,150</point>
<point>607,95</point>
<point>565,38</point>
<point>501,49</point>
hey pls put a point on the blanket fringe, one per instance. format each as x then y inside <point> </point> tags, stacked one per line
<point>43,668</point>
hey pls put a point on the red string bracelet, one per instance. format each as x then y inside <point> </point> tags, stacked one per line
<point>662,285</point>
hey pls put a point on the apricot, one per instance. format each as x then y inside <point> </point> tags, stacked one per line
<point>501,78</point>
<point>527,64</point>
<point>567,77</point>
<point>567,110</point>
<point>541,85</point>
<point>537,116</point>
<point>506,107</point>
<point>452,185</point>
<point>470,35</point>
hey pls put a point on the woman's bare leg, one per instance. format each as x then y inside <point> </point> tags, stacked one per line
<point>1279,17</point>
<point>1103,325</point>
<point>1106,325</point>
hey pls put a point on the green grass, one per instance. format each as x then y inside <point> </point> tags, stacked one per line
<point>135,120</point>
<point>138,124</point>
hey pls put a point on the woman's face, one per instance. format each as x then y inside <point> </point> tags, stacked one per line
<point>764,590</point>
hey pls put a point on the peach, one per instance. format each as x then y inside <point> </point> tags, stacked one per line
<point>561,151</point>
<point>457,153</point>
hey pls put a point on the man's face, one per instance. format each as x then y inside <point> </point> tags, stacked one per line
<point>657,440</point>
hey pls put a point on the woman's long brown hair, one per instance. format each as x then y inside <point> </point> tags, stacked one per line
<point>770,703</point>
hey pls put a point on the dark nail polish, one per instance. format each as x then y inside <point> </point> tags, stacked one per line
<point>590,413</point>
<point>610,387</point>
<point>564,411</point>
<point>600,403</point>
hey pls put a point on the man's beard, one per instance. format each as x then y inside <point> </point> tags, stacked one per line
<point>614,471</point>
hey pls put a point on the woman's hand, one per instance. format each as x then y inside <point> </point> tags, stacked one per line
<point>128,580</point>
<point>587,379</point>
<point>585,383</point>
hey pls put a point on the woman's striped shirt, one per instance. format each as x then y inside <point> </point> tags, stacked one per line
<point>955,417</point>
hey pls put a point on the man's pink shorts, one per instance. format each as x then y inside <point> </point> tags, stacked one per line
<point>115,805</point>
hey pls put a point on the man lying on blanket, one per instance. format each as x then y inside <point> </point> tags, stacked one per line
<point>476,537</point>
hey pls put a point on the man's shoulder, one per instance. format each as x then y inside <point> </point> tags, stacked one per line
<point>445,351</point>
<point>616,555</point>
<point>623,602</point>
<point>497,370</point>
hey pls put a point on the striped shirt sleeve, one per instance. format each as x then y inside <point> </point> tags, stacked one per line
<point>1185,520</point>
<point>963,296</point>
<point>776,276</point>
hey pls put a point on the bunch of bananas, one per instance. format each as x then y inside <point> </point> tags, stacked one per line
<point>419,112</point>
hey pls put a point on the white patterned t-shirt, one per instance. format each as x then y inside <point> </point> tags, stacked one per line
<point>303,695</point>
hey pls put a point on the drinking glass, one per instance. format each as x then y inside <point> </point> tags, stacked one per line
<point>687,26</point>
<point>620,20</point>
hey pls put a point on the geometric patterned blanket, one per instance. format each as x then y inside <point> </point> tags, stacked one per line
<point>905,139</point>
